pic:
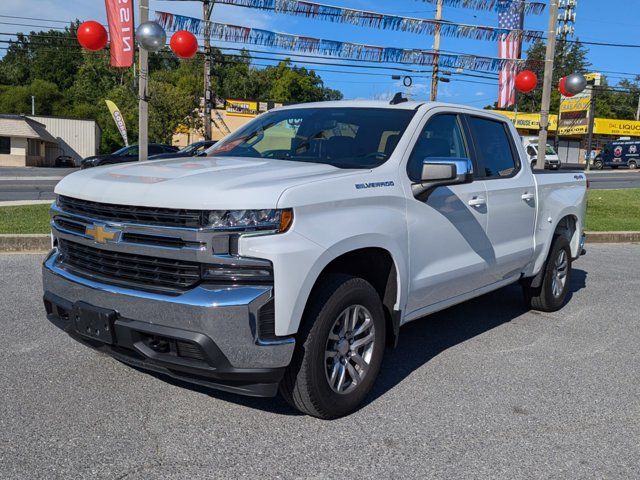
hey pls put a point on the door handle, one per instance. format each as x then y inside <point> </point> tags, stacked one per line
<point>526,196</point>
<point>477,202</point>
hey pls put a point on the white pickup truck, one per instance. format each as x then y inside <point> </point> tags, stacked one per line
<point>289,257</point>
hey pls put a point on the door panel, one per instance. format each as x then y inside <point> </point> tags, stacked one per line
<point>511,195</point>
<point>512,218</point>
<point>449,251</point>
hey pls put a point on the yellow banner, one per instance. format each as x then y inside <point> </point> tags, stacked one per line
<point>607,126</point>
<point>529,121</point>
<point>118,119</point>
<point>242,108</point>
<point>575,104</point>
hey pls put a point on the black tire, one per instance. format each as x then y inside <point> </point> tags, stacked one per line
<point>542,298</point>
<point>598,165</point>
<point>633,165</point>
<point>305,385</point>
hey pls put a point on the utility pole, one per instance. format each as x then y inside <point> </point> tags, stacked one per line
<point>207,7</point>
<point>548,81</point>
<point>566,28</point>
<point>638,111</point>
<point>592,120</point>
<point>436,56</point>
<point>33,105</point>
<point>143,78</point>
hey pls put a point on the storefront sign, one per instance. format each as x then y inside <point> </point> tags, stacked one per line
<point>242,108</point>
<point>606,126</point>
<point>529,121</point>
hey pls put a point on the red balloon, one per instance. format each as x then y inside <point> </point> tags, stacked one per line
<point>526,81</point>
<point>563,89</point>
<point>92,36</point>
<point>184,44</point>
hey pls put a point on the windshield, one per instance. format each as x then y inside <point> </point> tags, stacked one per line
<point>188,149</point>
<point>343,137</point>
<point>550,150</point>
<point>121,151</point>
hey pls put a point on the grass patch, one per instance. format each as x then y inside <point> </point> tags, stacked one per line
<point>608,211</point>
<point>614,210</point>
<point>25,219</point>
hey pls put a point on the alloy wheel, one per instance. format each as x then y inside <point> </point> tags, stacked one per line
<point>349,349</point>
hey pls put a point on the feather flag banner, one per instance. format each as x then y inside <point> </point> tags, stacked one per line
<point>384,21</point>
<point>332,48</point>
<point>530,8</point>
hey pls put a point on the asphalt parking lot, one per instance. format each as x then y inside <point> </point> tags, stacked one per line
<point>482,390</point>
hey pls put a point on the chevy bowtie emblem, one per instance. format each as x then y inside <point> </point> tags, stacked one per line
<point>102,234</point>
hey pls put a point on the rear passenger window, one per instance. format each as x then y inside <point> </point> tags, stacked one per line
<point>493,147</point>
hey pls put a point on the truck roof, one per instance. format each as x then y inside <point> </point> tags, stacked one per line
<point>409,105</point>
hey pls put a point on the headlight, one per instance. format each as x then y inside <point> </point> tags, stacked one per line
<point>251,220</point>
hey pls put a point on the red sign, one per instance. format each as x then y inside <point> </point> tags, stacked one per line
<point>120,19</point>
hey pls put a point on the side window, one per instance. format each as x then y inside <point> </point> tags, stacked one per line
<point>155,149</point>
<point>441,137</point>
<point>531,151</point>
<point>132,152</point>
<point>494,147</point>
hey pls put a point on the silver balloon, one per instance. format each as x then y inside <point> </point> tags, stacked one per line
<point>151,36</point>
<point>575,83</point>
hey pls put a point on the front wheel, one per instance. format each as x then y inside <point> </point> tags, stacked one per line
<point>340,348</point>
<point>598,165</point>
<point>551,294</point>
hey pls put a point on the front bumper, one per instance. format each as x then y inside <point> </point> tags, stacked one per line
<point>205,336</point>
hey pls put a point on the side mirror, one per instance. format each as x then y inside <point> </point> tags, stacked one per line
<point>442,171</point>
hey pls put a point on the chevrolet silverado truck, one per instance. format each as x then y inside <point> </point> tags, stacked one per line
<point>288,258</point>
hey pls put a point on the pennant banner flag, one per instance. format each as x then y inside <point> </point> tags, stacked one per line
<point>530,8</point>
<point>117,117</point>
<point>346,50</point>
<point>386,22</point>
<point>120,20</point>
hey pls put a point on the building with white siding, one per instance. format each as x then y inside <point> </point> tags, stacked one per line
<point>77,138</point>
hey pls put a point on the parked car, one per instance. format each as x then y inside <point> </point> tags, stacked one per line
<point>290,256</point>
<point>194,150</point>
<point>551,159</point>
<point>621,153</point>
<point>126,154</point>
<point>64,161</point>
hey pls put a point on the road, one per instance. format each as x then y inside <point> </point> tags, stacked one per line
<point>482,390</point>
<point>30,183</point>
<point>38,183</point>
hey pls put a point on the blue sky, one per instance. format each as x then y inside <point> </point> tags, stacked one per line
<point>610,21</point>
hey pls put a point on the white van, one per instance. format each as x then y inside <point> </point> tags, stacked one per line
<point>552,161</point>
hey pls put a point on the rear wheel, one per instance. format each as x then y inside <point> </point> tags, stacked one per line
<point>551,294</point>
<point>633,165</point>
<point>340,349</point>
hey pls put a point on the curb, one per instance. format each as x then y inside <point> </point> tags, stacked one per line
<point>33,243</point>
<point>41,243</point>
<point>613,237</point>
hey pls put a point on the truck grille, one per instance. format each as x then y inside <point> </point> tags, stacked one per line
<point>167,217</point>
<point>140,271</point>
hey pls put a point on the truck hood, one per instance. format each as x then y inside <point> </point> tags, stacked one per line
<point>196,183</point>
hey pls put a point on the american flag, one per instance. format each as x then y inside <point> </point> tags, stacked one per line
<point>509,46</point>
